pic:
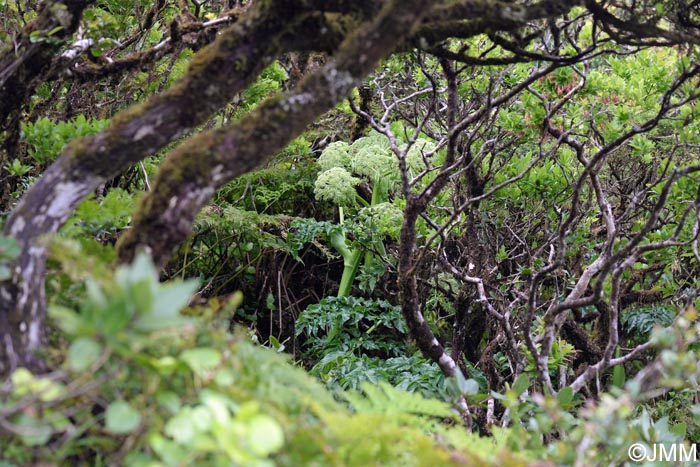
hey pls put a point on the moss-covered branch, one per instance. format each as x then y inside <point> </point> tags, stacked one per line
<point>495,10</point>
<point>216,74</point>
<point>193,171</point>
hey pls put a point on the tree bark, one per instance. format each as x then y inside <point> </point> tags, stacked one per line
<point>192,172</point>
<point>22,66</point>
<point>215,75</point>
<point>34,52</point>
<point>408,290</point>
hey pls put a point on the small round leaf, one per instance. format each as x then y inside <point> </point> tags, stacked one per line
<point>121,418</point>
<point>82,353</point>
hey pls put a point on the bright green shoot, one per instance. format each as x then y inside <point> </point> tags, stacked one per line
<point>370,161</point>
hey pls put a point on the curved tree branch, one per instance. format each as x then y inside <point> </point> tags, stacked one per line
<point>193,171</point>
<point>216,74</point>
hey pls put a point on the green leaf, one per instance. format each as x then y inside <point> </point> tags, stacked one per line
<point>21,379</point>
<point>219,405</point>
<point>170,452</point>
<point>151,322</point>
<point>121,418</point>
<point>180,427</point>
<point>37,431</point>
<point>265,435</point>
<point>24,382</point>
<point>68,320</point>
<point>82,353</point>
<point>275,344</point>
<point>619,376</point>
<point>679,429</point>
<point>502,254</point>
<point>36,36</point>
<point>521,384</point>
<point>565,396</point>
<point>141,269</point>
<point>467,387</point>
<point>164,365</point>
<point>167,302</point>
<point>201,359</point>
<point>142,294</point>
<point>184,426</point>
<point>54,30</point>
<point>169,400</point>
<point>49,390</point>
<point>95,294</point>
<point>115,320</point>
<point>201,418</point>
<point>224,377</point>
<point>384,398</point>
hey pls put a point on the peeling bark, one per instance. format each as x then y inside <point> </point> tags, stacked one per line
<point>22,327</point>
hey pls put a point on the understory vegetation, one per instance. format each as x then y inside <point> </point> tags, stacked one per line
<point>487,254</point>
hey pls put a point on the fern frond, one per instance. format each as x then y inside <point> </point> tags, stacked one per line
<point>385,399</point>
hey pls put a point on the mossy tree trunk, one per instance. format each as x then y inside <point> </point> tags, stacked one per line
<point>215,75</point>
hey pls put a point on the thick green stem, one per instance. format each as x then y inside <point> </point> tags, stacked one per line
<point>351,266</point>
<point>378,196</point>
<point>353,256</point>
<point>351,262</point>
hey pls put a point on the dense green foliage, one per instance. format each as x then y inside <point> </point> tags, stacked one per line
<point>184,392</point>
<point>527,199</point>
<point>181,390</point>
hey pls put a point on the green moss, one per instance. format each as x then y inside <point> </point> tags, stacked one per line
<point>127,115</point>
